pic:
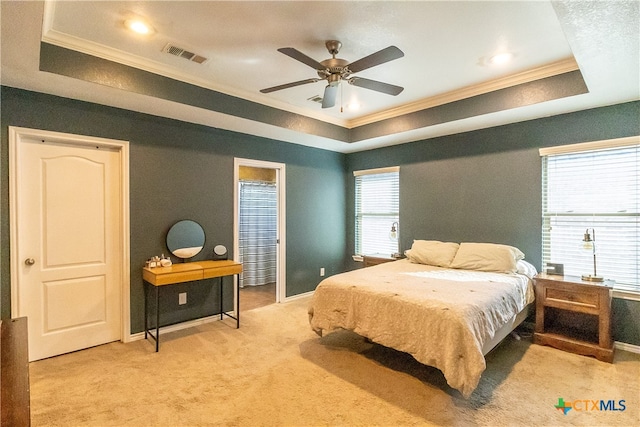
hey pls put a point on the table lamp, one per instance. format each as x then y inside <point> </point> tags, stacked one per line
<point>590,243</point>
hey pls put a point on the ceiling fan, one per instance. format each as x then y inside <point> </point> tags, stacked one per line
<point>335,70</point>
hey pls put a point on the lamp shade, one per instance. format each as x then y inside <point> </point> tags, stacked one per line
<point>393,234</point>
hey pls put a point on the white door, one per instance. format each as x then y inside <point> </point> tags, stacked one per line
<point>68,234</point>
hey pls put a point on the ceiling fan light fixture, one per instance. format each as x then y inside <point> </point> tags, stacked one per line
<point>333,79</point>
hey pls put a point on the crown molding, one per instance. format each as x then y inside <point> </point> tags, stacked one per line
<point>77,44</point>
<point>549,70</point>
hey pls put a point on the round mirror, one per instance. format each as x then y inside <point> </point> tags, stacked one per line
<point>185,239</point>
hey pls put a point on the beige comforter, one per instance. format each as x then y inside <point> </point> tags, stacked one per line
<point>442,317</point>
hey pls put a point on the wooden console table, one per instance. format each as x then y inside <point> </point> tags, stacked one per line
<point>159,277</point>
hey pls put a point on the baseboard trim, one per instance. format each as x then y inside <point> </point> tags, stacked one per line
<point>627,347</point>
<point>298,296</point>
<point>178,326</point>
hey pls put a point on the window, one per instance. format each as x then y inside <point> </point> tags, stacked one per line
<point>377,209</point>
<point>593,186</point>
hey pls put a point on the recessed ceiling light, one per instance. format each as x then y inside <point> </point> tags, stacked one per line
<point>501,58</point>
<point>353,106</point>
<point>138,26</point>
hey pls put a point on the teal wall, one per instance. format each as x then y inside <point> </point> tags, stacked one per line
<point>180,170</point>
<point>475,186</point>
<point>485,186</point>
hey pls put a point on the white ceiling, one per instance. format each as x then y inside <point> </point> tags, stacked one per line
<point>446,46</point>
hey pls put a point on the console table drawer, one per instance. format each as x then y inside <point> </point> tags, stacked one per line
<point>219,268</point>
<point>168,275</point>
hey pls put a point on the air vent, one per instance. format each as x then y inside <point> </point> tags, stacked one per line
<point>315,98</point>
<point>183,53</point>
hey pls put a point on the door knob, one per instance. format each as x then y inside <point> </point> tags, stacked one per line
<point>29,261</point>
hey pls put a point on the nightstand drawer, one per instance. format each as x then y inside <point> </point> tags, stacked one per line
<point>568,298</point>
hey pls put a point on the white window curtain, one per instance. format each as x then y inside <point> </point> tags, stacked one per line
<point>377,209</point>
<point>593,186</point>
<point>258,232</point>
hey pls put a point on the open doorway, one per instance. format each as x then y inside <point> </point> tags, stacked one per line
<point>258,230</point>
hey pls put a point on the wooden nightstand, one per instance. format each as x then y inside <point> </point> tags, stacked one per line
<point>368,261</point>
<point>574,315</point>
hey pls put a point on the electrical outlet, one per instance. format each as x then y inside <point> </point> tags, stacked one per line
<point>321,271</point>
<point>182,298</point>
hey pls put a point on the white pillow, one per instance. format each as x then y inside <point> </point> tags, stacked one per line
<point>523,267</point>
<point>432,252</point>
<point>487,257</point>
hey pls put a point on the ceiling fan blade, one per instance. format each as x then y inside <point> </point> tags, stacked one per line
<point>299,56</point>
<point>329,98</point>
<point>387,88</point>
<point>380,57</point>
<point>288,85</point>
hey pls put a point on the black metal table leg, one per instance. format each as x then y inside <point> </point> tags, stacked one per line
<point>157,318</point>
<point>237,280</point>
<point>146,308</point>
<point>237,303</point>
<point>221,294</point>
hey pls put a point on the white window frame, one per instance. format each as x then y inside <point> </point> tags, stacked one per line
<point>621,291</point>
<point>389,217</point>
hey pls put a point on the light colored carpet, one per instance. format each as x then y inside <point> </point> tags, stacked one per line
<point>274,371</point>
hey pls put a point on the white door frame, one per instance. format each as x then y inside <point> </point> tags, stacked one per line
<point>16,136</point>
<point>281,287</point>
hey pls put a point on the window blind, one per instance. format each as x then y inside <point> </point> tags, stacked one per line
<point>377,208</point>
<point>593,189</point>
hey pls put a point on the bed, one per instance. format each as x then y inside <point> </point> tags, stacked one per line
<point>446,304</point>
